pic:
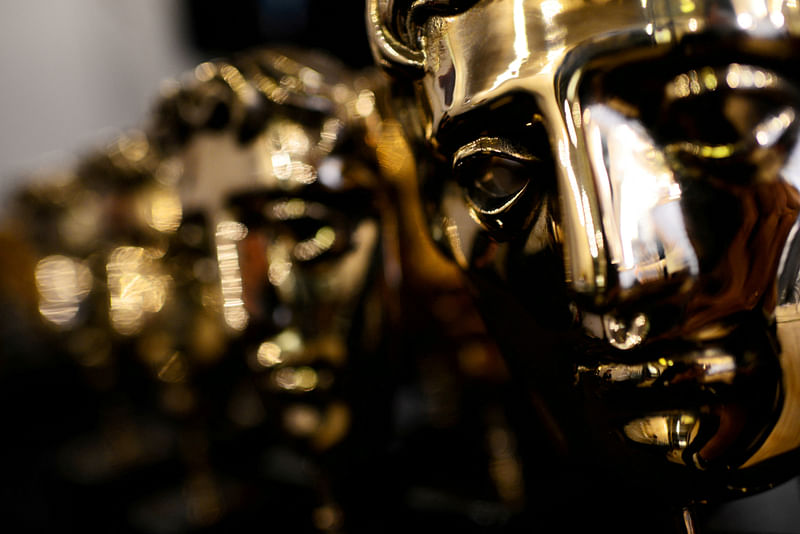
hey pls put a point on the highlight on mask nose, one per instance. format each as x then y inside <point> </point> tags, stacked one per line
<point>679,171</point>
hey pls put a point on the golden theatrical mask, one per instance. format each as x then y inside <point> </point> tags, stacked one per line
<point>235,317</point>
<point>208,290</point>
<point>619,180</point>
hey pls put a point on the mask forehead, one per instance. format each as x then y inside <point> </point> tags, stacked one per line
<point>503,46</point>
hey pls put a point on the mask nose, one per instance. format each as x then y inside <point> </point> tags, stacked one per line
<point>639,199</point>
<point>632,235</point>
<point>656,235</point>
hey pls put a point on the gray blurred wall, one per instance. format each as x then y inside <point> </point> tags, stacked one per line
<point>74,71</point>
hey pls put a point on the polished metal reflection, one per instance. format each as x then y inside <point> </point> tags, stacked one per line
<point>619,180</point>
<point>296,231</point>
<point>666,187</point>
<point>235,237</point>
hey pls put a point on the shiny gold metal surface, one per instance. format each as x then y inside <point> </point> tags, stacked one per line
<point>619,180</point>
<point>239,315</point>
<point>217,274</point>
<point>244,318</point>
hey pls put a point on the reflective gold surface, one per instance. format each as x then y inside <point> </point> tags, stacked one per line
<point>232,319</point>
<point>619,180</point>
<point>236,316</point>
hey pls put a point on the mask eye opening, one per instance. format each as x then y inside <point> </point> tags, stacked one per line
<point>494,173</point>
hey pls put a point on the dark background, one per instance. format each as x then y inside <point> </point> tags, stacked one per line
<point>219,28</point>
